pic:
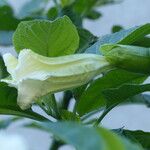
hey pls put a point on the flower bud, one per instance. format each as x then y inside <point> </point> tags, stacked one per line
<point>35,75</point>
<point>131,58</point>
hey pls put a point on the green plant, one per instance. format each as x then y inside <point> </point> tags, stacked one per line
<point>119,61</point>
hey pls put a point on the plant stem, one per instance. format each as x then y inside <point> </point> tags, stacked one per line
<point>106,111</point>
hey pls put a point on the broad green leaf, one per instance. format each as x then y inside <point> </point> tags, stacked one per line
<point>138,136</point>
<point>118,95</point>
<point>8,104</point>
<point>131,58</point>
<point>3,71</point>
<point>124,37</point>
<point>92,98</point>
<point>86,39</point>
<point>78,136</point>
<point>47,38</point>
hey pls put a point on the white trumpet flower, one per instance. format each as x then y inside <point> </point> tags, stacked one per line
<point>35,75</point>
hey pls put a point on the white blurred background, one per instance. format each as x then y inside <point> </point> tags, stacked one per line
<point>128,14</point>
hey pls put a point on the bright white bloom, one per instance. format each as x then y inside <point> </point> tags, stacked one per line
<point>12,142</point>
<point>35,75</point>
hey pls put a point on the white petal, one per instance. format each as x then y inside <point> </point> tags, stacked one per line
<point>10,62</point>
<point>34,66</point>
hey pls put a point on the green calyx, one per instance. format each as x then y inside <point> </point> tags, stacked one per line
<point>131,58</point>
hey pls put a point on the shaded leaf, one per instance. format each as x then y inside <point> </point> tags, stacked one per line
<point>93,14</point>
<point>86,39</point>
<point>52,13</point>
<point>138,136</point>
<point>75,18</point>
<point>65,3</point>
<point>118,95</point>
<point>69,116</point>
<point>140,99</point>
<point>125,37</point>
<point>8,21</point>
<point>92,98</point>
<point>77,135</point>
<point>144,42</point>
<point>3,71</point>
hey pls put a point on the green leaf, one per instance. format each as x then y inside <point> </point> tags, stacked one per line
<point>52,13</point>
<point>118,95</point>
<point>69,116</point>
<point>3,71</point>
<point>75,18</point>
<point>83,7</point>
<point>92,98</point>
<point>93,14</point>
<point>144,42</point>
<point>8,104</point>
<point>131,58</point>
<point>138,136</point>
<point>7,20</point>
<point>86,39</point>
<point>8,23</point>
<point>49,105</point>
<point>140,99</point>
<point>65,3</point>
<point>47,38</point>
<point>104,2</point>
<point>78,136</point>
<point>75,134</point>
<point>125,37</point>
<point>116,28</point>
